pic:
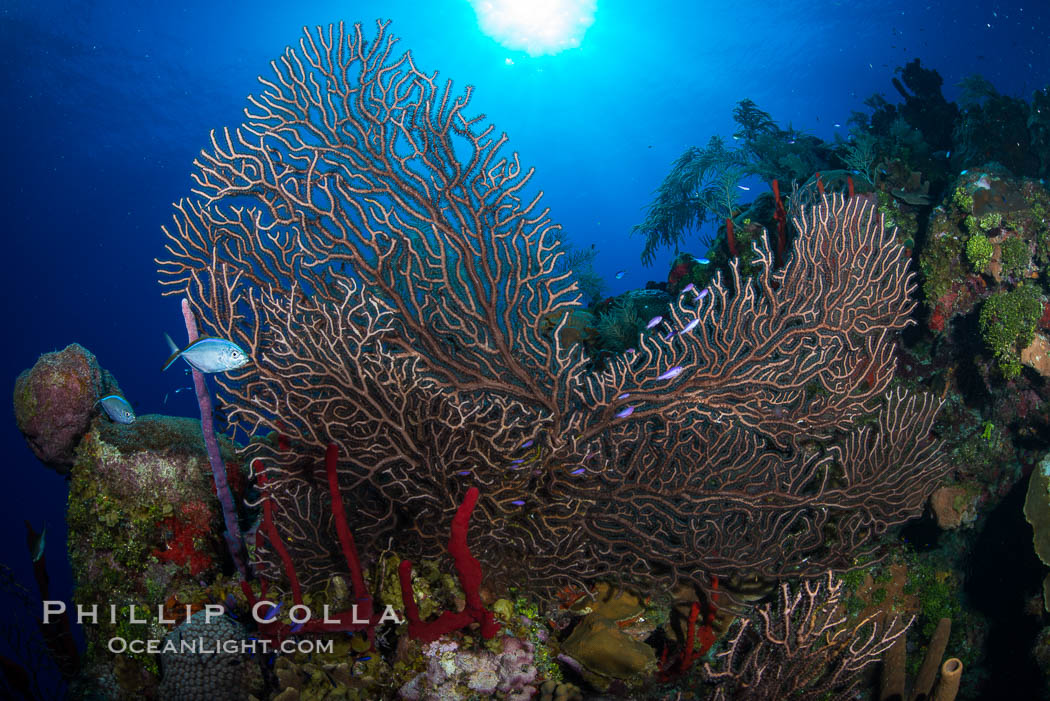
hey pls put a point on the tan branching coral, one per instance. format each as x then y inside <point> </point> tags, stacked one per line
<point>802,647</point>
<point>391,270</point>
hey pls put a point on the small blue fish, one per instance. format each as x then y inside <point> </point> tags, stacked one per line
<point>527,443</point>
<point>463,473</point>
<point>964,172</point>
<point>689,288</point>
<point>518,461</point>
<point>743,187</point>
<point>625,395</point>
<point>704,261</point>
<point>272,614</point>
<point>624,413</point>
<point>36,541</point>
<point>654,321</point>
<point>620,274</point>
<point>836,125</point>
<point>578,471</point>
<point>691,325</point>
<point>518,502</point>
<point>670,335</point>
<point>364,659</point>
<point>672,373</point>
<point>703,293</point>
<point>209,355</point>
<point>118,409</point>
<point>630,351</point>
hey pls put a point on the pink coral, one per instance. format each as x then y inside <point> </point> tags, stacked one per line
<point>516,669</point>
<point>54,402</point>
<point>453,673</point>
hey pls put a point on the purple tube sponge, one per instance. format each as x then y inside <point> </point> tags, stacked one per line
<point>218,468</point>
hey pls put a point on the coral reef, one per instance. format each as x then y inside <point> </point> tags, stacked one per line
<point>985,248</point>
<point>641,476</point>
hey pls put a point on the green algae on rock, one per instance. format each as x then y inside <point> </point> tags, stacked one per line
<point>143,524</point>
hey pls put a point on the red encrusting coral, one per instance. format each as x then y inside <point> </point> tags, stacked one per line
<point>1044,320</point>
<point>937,319</point>
<point>190,528</point>
<point>678,273</point>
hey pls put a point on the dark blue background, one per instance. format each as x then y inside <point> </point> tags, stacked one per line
<point>105,104</point>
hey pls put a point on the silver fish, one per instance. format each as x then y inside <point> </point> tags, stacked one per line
<point>36,542</point>
<point>209,355</point>
<point>118,408</point>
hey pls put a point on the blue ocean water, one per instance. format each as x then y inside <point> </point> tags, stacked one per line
<point>106,104</point>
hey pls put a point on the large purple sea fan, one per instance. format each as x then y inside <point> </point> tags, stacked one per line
<point>393,275</point>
